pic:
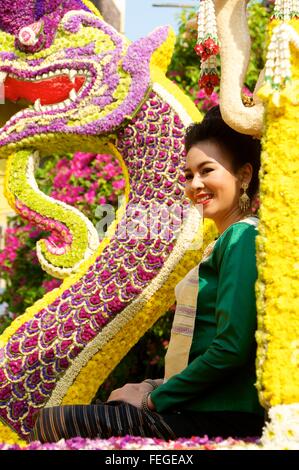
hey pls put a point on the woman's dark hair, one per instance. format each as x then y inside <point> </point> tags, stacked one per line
<point>242,148</point>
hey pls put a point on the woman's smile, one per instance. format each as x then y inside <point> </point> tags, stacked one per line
<point>203,198</point>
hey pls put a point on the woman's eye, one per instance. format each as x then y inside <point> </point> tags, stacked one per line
<point>207,170</point>
<point>188,177</point>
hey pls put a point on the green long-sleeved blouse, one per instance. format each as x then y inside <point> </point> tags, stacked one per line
<point>220,375</point>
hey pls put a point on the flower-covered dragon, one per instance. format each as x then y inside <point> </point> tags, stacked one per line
<point>70,83</point>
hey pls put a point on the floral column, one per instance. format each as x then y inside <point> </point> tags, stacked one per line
<point>278,247</point>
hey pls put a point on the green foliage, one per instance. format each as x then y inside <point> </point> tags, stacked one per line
<point>23,282</point>
<point>184,68</point>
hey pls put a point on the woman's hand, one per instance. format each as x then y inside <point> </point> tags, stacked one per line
<point>131,393</point>
<point>159,381</point>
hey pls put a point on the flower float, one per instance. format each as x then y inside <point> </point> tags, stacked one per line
<point>88,89</point>
<point>112,96</point>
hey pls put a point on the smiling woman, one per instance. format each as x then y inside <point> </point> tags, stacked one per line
<point>221,164</point>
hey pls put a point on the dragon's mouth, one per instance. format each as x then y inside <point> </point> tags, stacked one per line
<point>47,91</point>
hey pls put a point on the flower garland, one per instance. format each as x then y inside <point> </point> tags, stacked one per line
<point>207,46</point>
<point>278,65</point>
<point>286,9</point>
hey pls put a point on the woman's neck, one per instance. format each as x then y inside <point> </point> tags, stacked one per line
<point>230,220</point>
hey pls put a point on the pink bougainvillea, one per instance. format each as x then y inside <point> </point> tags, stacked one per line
<point>87,180</point>
<point>204,101</point>
<point>82,180</point>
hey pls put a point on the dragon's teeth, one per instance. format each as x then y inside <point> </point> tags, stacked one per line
<point>3,76</point>
<point>72,75</point>
<point>73,95</point>
<point>37,105</point>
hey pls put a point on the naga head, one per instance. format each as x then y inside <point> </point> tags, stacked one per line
<point>80,83</point>
<point>65,73</point>
<point>70,82</point>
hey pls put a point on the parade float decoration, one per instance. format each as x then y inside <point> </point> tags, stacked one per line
<point>88,89</point>
<point>92,90</point>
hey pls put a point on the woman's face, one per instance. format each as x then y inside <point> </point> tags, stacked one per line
<point>211,181</point>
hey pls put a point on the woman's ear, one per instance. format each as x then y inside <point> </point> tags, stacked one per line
<point>245,173</point>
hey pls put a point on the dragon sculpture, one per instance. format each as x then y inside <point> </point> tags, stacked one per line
<point>88,88</point>
<point>71,82</point>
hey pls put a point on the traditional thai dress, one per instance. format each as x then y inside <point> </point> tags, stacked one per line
<point>219,374</point>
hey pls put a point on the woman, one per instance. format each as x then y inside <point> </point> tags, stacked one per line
<point>210,364</point>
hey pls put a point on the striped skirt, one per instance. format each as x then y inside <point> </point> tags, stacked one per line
<point>98,421</point>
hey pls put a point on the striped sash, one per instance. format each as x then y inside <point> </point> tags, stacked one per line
<point>186,293</point>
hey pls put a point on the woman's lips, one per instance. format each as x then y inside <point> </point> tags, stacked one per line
<point>205,202</point>
<point>204,199</point>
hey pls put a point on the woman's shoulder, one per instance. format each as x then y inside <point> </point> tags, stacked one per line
<point>249,224</point>
<point>240,226</point>
<point>241,232</point>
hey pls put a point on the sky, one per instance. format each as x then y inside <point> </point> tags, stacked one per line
<point>142,17</point>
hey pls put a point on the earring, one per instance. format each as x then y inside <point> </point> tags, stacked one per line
<point>244,201</point>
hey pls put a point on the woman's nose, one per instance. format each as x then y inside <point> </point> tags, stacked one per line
<point>196,182</point>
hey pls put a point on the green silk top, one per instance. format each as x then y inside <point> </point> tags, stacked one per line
<point>220,375</point>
